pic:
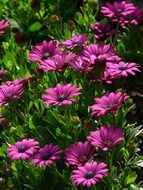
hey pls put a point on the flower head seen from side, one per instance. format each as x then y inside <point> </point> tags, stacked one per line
<point>89,174</point>
<point>122,69</point>
<point>75,41</point>
<point>108,103</point>
<point>23,149</point>
<point>58,63</point>
<point>118,11</point>
<point>43,51</point>
<point>106,137</point>
<point>4,25</point>
<point>102,30</point>
<point>11,90</point>
<point>46,155</point>
<point>79,153</point>
<point>100,54</point>
<point>60,95</point>
<point>81,65</point>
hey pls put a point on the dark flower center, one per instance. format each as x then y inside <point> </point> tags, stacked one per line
<point>89,175</point>
<point>82,159</point>
<point>122,68</point>
<point>119,10</point>
<point>21,149</point>
<point>110,105</point>
<point>107,143</point>
<point>46,156</point>
<point>61,97</point>
<point>46,55</point>
<point>74,42</point>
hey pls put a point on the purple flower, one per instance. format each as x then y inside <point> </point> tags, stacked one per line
<point>106,137</point>
<point>81,65</point>
<point>122,69</point>
<point>60,95</point>
<point>44,51</point>
<point>75,41</point>
<point>46,155</point>
<point>89,174</point>
<point>23,150</point>
<point>79,153</point>
<point>57,63</point>
<point>108,103</point>
<point>100,54</point>
<point>4,25</point>
<point>102,30</point>
<point>118,11</point>
<point>11,90</point>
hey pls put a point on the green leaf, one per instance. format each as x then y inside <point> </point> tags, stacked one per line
<point>58,131</point>
<point>131,178</point>
<point>35,27</point>
<point>31,124</point>
<point>13,23</point>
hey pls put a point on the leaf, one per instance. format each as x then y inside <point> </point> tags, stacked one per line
<point>13,23</point>
<point>58,131</point>
<point>131,178</point>
<point>31,124</point>
<point>35,27</point>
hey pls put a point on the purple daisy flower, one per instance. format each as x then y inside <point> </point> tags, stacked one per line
<point>57,63</point>
<point>89,174</point>
<point>79,153</point>
<point>108,103</point>
<point>23,149</point>
<point>75,41</point>
<point>60,95</point>
<point>102,30</point>
<point>122,69</point>
<point>100,54</point>
<point>43,51</point>
<point>106,137</point>
<point>46,155</point>
<point>4,25</point>
<point>118,11</point>
<point>81,65</point>
<point>11,90</point>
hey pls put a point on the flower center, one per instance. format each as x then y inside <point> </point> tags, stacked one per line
<point>89,175</point>
<point>122,68</point>
<point>119,10</point>
<point>46,156</point>
<point>110,105</point>
<point>82,159</point>
<point>74,42</point>
<point>61,97</point>
<point>107,143</point>
<point>46,55</point>
<point>21,149</point>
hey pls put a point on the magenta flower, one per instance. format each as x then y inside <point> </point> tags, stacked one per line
<point>75,41</point>
<point>122,69</point>
<point>44,51</point>
<point>23,149</point>
<point>102,30</point>
<point>4,25</point>
<point>11,90</point>
<point>81,65</point>
<point>60,95</point>
<point>108,103</point>
<point>100,54</point>
<point>106,137</point>
<point>57,63</point>
<point>118,11</point>
<point>89,174</point>
<point>79,153</point>
<point>46,155</point>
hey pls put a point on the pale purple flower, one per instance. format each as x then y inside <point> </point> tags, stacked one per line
<point>75,41</point>
<point>122,69</point>
<point>100,54</point>
<point>46,155</point>
<point>109,103</point>
<point>58,63</point>
<point>11,90</point>
<point>102,30</point>
<point>118,11</point>
<point>43,51</point>
<point>4,25</point>
<point>60,95</point>
<point>89,174</point>
<point>23,149</point>
<point>79,153</point>
<point>81,65</point>
<point>106,137</point>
